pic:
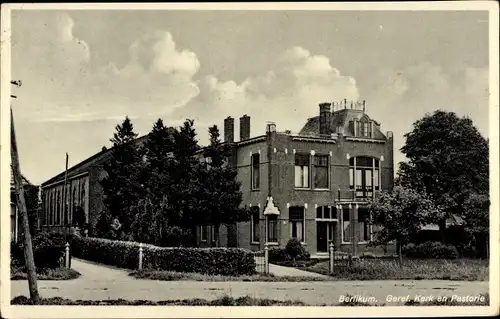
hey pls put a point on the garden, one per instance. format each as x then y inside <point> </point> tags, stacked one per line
<point>48,253</point>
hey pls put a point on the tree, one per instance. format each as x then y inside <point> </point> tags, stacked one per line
<point>448,160</point>
<point>222,195</point>
<point>151,212</point>
<point>186,176</point>
<point>122,187</point>
<point>477,220</point>
<point>400,214</point>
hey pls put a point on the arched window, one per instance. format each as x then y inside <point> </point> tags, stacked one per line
<point>82,197</point>
<point>58,211</point>
<point>52,207</point>
<point>364,176</point>
<point>75,203</point>
<point>365,127</point>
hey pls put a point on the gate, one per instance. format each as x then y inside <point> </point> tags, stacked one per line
<point>339,260</point>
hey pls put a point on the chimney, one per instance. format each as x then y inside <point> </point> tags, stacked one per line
<point>229,129</point>
<point>244,127</point>
<point>325,113</point>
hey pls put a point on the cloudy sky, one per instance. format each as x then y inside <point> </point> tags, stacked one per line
<point>83,71</point>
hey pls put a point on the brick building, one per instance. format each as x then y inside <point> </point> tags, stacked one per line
<point>312,185</point>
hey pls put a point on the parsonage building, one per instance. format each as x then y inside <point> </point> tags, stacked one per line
<point>312,185</point>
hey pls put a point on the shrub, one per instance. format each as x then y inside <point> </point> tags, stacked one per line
<point>212,261</point>
<point>295,250</point>
<point>435,250</point>
<point>173,236</point>
<point>48,248</point>
<point>16,254</point>
<point>278,255</point>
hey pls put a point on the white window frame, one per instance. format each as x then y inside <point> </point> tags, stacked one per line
<point>303,179</point>
<point>252,172</point>
<point>303,241</point>
<point>252,230</point>
<point>203,239</point>
<point>267,230</point>
<point>370,227</point>
<point>342,226</point>
<point>313,166</point>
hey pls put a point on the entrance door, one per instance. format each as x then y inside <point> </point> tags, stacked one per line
<point>322,236</point>
<point>325,233</point>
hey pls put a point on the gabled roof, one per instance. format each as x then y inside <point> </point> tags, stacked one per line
<point>83,166</point>
<point>25,180</point>
<point>94,160</point>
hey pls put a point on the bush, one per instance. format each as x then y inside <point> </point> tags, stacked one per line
<point>173,236</point>
<point>16,254</point>
<point>212,261</point>
<point>48,248</point>
<point>435,250</point>
<point>292,249</point>
<point>295,249</point>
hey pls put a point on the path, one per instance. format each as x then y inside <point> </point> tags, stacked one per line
<point>99,282</point>
<point>282,271</point>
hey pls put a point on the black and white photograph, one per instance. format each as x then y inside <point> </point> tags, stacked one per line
<point>271,159</point>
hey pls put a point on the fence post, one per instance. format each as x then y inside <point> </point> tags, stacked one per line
<point>67,255</point>
<point>140,256</point>
<point>266,258</point>
<point>350,260</point>
<point>331,257</point>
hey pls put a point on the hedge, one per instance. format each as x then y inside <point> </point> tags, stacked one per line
<point>212,261</point>
<point>436,250</point>
<point>48,249</point>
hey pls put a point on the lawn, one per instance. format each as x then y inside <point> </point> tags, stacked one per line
<point>18,273</point>
<point>164,275</point>
<point>412,269</point>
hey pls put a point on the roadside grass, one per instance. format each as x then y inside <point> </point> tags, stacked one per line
<point>179,276</point>
<point>18,273</point>
<point>412,269</point>
<point>222,301</point>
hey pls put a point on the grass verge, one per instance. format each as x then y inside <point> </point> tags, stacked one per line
<point>223,301</point>
<point>45,274</point>
<point>179,276</point>
<point>412,269</point>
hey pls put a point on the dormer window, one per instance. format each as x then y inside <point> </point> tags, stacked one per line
<point>365,129</point>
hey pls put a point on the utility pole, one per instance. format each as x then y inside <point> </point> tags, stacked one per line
<point>21,207</point>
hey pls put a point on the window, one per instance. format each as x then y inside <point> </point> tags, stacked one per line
<point>59,207</point>
<point>346,226</point>
<point>320,171</point>
<point>203,233</point>
<point>365,227</point>
<point>302,170</point>
<point>366,177</point>
<point>365,128</point>
<point>74,203</point>
<point>296,216</point>
<point>212,234</point>
<point>272,228</point>
<point>326,212</point>
<point>82,197</point>
<point>255,224</point>
<point>51,209</point>
<point>255,171</point>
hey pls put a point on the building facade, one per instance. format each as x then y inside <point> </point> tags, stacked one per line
<point>313,185</point>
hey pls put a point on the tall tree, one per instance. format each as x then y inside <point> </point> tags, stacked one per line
<point>151,212</point>
<point>222,189</point>
<point>448,160</point>
<point>186,171</point>
<point>122,187</point>
<point>400,214</point>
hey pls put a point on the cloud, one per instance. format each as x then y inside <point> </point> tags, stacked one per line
<point>63,84</point>
<point>287,94</point>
